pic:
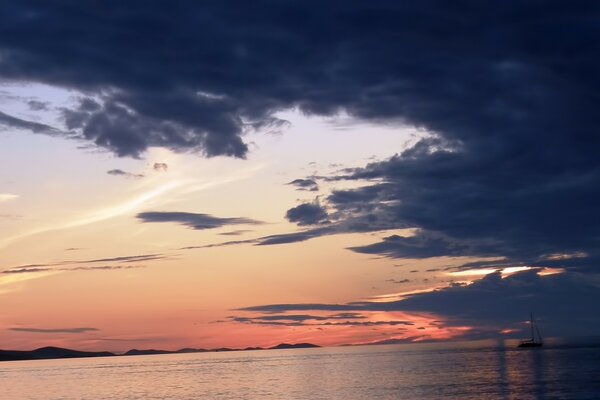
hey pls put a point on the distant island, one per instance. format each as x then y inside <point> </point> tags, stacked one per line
<point>46,353</point>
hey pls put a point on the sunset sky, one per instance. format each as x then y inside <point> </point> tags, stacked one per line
<point>249,173</point>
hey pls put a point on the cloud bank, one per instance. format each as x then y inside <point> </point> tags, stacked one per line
<point>561,302</point>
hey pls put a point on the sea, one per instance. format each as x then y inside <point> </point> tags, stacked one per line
<point>459,370</point>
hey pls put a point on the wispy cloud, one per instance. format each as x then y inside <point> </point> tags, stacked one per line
<point>36,127</point>
<point>55,330</point>
<point>102,214</point>
<point>125,174</point>
<point>29,270</point>
<point>237,232</point>
<point>8,196</point>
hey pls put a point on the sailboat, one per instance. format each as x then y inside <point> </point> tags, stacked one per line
<point>532,342</point>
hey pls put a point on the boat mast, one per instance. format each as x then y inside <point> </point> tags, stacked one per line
<point>531,323</point>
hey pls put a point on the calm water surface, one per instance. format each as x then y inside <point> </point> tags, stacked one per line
<point>469,370</point>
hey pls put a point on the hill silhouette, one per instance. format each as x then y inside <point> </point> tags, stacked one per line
<point>49,352</point>
<point>45,353</point>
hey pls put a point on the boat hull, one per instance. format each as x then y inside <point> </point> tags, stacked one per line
<point>530,344</point>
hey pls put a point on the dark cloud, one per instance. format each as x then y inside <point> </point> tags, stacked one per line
<point>36,105</point>
<point>54,330</point>
<point>293,237</point>
<point>193,220</point>
<point>412,247</point>
<point>305,184</point>
<point>192,77</point>
<point>280,308</point>
<point>237,232</point>
<point>18,123</point>
<point>505,92</point>
<point>308,214</point>
<point>299,317</point>
<point>160,167</point>
<point>461,208</point>
<point>26,270</point>
<point>562,303</point>
<point>340,319</point>
<point>120,172</point>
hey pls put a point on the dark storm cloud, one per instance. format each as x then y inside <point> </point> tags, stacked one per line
<point>192,77</point>
<point>561,301</point>
<point>514,206</point>
<point>18,123</point>
<point>513,161</point>
<point>307,214</point>
<point>305,184</point>
<point>412,247</point>
<point>120,172</point>
<point>193,220</point>
<point>54,330</point>
<point>506,90</point>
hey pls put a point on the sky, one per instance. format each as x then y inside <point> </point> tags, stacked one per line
<point>229,175</point>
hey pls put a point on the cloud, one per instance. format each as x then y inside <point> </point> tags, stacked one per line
<point>160,167</point>
<point>305,184</point>
<point>120,172</point>
<point>29,270</point>
<point>293,237</point>
<point>125,259</point>
<point>18,123</point>
<point>193,220</point>
<point>560,301</point>
<point>398,280</point>
<point>299,317</point>
<point>509,166</point>
<point>307,214</point>
<point>237,232</point>
<point>54,330</point>
<point>8,196</point>
<point>340,319</point>
<point>454,70</point>
<point>75,265</point>
<point>26,270</point>
<point>417,246</point>
<point>33,270</point>
<point>36,105</point>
